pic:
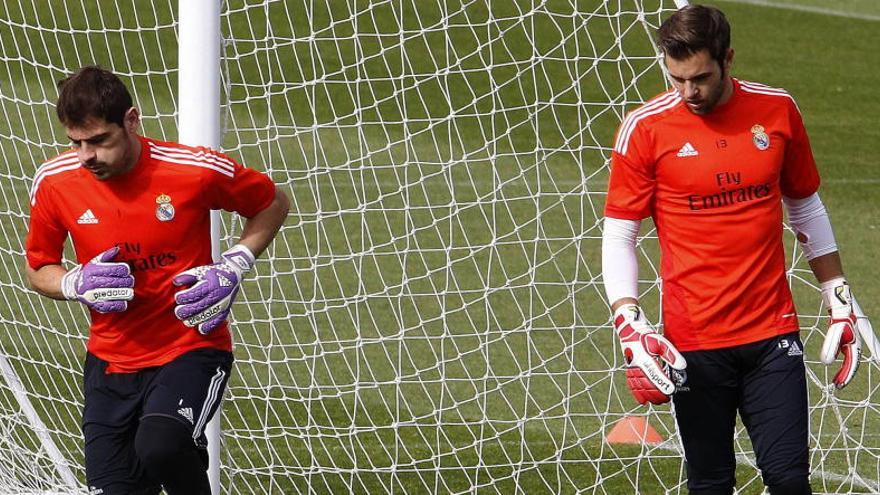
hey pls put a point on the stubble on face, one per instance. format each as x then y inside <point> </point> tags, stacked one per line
<point>712,98</point>
<point>104,149</point>
<point>701,81</point>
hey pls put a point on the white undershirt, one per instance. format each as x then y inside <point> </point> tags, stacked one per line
<point>620,268</point>
<point>810,221</point>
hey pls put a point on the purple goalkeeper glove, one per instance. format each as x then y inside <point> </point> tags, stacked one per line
<point>101,284</point>
<point>207,303</point>
<point>842,336</point>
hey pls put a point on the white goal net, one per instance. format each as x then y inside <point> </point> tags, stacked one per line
<point>431,318</point>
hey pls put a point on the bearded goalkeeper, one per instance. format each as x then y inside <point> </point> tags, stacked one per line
<point>713,161</point>
<point>137,211</point>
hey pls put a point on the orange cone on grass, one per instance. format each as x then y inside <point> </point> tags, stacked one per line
<point>634,430</point>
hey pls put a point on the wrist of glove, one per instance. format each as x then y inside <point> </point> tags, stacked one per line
<point>648,356</point>
<point>207,302</point>
<point>842,337</point>
<point>102,284</point>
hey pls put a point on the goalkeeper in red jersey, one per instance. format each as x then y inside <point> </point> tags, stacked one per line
<point>137,211</point>
<point>713,161</point>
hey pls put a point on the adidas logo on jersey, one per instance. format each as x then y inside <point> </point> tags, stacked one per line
<point>687,150</point>
<point>87,218</point>
<point>187,413</point>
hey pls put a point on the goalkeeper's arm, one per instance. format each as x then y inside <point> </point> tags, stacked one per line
<point>646,352</point>
<point>209,290</point>
<point>46,280</point>
<point>620,268</point>
<point>847,323</point>
<point>103,284</point>
<point>260,229</point>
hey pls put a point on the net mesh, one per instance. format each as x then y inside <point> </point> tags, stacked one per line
<point>431,317</point>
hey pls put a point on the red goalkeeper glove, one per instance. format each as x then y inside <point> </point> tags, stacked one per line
<point>842,337</point>
<point>645,351</point>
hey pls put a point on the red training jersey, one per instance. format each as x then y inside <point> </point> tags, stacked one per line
<point>713,184</point>
<point>159,215</point>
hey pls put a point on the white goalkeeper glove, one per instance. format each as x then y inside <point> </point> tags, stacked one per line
<point>645,352</point>
<point>102,284</point>
<point>208,302</point>
<point>842,336</point>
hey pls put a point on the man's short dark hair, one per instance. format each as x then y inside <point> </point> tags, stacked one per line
<point>92,92</point>
<point>692,29</point>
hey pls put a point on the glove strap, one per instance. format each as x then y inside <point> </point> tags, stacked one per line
<point>240,257</point>
<point>837,297</point>
<point>68,283</point>
<point>628,313</point>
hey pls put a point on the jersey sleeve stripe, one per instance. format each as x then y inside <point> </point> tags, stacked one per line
<point>766,92</point>
<point>758,85</point>
<point>632,117</point>
<point>629,125</point>
<point>55,163</point>
<point>197,154</point>
<point>762,89</point>
<point>766,89</point>
<point>56,168</point>
<point>67,155</point>
<point>202,164</point>
<point>193,155</point>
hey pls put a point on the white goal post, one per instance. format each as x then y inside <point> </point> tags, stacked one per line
<point>199,125</point>
<point>431,318</point>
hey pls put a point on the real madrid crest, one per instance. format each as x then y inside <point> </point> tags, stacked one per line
<point>760,138</point>
<point>164,208</point>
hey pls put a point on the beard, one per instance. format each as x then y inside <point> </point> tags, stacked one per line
<point>708,102</point>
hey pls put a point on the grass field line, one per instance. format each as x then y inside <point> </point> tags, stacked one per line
<point>809,8</point>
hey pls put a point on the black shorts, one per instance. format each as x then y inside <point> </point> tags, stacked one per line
<point>188,389</point>
<point>766,382</point>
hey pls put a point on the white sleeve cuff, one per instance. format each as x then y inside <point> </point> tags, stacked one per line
<point>810,221</point>
<point>620,268</point>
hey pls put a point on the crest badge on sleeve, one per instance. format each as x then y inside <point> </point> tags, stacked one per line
<point>760,138</point>
<point>164,208</point>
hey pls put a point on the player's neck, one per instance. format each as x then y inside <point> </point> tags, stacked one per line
<point>728,90</point>
<point>134,153</point>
